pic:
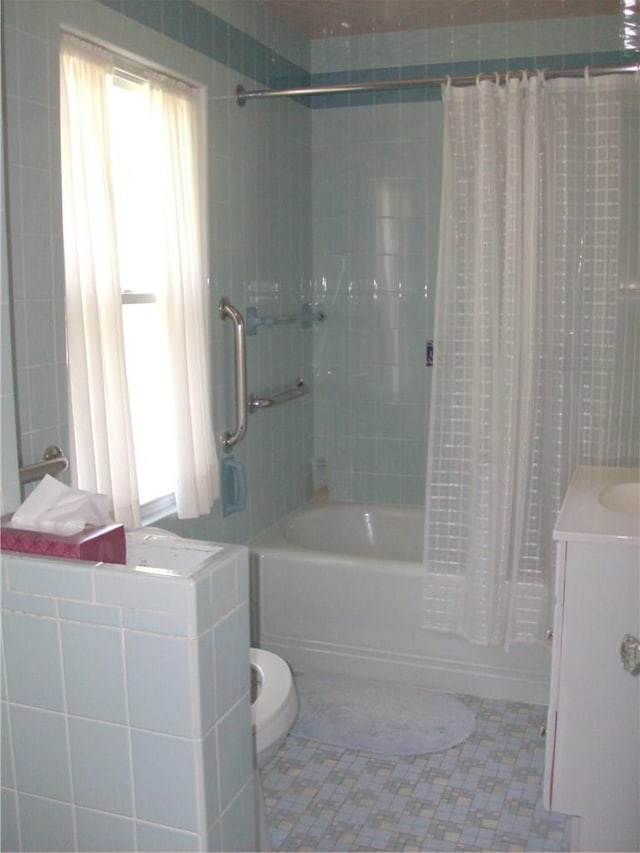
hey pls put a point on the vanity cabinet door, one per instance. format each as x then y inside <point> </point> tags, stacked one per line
<point>595,748</point>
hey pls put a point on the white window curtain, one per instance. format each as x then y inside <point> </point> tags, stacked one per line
<point>537,337</point>
<point>101,437</point>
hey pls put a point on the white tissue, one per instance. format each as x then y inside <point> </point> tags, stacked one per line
<point>53,507</point>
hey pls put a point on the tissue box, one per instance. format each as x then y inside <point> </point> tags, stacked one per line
<point>105,543</point>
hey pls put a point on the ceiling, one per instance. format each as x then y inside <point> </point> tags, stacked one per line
<point>328,18</point>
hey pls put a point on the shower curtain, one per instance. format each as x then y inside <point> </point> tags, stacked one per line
<point>537,336</point>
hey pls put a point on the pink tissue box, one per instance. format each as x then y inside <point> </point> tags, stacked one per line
<point>106,543</point>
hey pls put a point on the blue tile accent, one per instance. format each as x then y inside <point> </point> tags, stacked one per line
<point>197,28</point>
<point>442,69</point>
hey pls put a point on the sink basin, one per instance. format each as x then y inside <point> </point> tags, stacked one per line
<point>622,497</point>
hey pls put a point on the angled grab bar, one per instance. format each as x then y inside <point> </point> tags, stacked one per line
<point>257,403</point>
<point>231,438</point>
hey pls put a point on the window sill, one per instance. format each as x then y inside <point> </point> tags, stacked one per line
<point>157,509</point>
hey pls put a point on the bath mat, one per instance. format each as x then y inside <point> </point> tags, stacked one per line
<point>379,717</point>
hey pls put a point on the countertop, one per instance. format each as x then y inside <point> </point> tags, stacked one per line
<point>584,518</point>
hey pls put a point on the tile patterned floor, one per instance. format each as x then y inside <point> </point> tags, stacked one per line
<point>485,794</point>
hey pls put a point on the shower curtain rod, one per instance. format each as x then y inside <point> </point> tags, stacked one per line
<point>242,95</point>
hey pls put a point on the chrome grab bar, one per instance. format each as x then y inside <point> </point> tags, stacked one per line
<point>53,462</point>
<point>229,438</point>
<point>257,403</point>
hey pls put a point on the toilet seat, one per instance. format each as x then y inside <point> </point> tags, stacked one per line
<point>276,706</point>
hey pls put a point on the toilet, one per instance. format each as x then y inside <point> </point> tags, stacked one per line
<point>274,702</point>
<point>274,707</point>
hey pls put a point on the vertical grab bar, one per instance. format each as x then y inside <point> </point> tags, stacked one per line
<point>229,438</point>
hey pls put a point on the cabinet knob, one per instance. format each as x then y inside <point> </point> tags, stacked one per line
<point>630,654</point>
<point>542,730</point>
<point>549,633</point>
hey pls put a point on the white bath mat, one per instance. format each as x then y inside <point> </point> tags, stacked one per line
<point>376,716</point>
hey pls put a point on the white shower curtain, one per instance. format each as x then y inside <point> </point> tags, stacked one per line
<point>537,337</point>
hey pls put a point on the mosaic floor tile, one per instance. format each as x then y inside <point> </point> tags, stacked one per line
<point>484,794</point>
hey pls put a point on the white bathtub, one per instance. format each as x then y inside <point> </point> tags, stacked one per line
<point>337,587</point>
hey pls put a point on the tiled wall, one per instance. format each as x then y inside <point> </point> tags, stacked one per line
<point>260,229</point>
<point>376,207</point>
<point>125,708</point>
<point>10,496</point>
<point>365,167</point>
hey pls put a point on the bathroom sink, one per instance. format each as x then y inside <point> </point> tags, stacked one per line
<point>622,497</point>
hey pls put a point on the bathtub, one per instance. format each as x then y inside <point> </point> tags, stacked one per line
<point>337,587</point>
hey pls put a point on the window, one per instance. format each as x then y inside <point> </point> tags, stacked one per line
<point>145,344</point>
<point>135,261</point>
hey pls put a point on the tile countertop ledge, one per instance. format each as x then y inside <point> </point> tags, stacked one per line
<point>583,518</point>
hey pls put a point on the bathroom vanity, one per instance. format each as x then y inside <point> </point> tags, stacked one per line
<point>592,762</point>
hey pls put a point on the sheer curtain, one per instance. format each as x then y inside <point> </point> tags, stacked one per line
<point>102,446</point>
<point>537,337</point>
